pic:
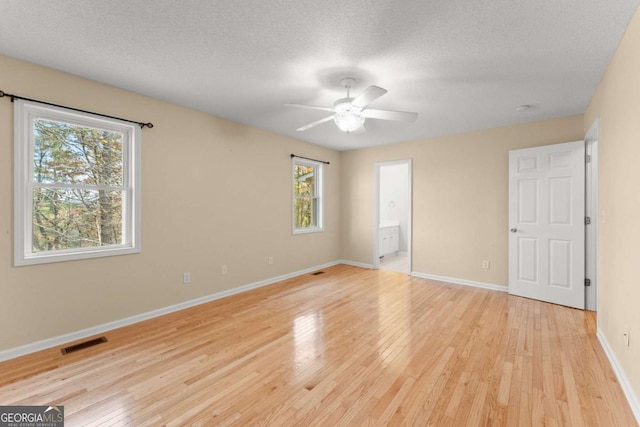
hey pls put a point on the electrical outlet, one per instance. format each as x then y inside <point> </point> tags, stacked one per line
<point>224,269</point>
<point>627,338</point>
<point>270,260</point>
<point>485,264</point>
<point>186,278</point>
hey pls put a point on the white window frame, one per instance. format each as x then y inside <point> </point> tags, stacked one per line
<point>319,186</point>
<point>25,113</point>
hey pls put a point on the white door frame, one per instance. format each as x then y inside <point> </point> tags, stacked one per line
<point>592,268</point>
<point>376,211</point>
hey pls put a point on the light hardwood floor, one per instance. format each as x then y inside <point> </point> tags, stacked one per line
<point>348,347</point>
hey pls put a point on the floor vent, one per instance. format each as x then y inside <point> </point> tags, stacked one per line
<point>83,345</point>
<point>317,273</point>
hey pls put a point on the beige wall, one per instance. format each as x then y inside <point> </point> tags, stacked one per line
<point>460,197</point>
<point>213,192</point>
<point>616,104</point>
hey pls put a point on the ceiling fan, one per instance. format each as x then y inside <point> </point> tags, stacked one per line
<point>349,113</point>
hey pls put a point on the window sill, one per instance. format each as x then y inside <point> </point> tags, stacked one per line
<point>307,230</point>
<point>73,256</point>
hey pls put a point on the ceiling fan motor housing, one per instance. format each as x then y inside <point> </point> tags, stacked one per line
<point>344,104</point>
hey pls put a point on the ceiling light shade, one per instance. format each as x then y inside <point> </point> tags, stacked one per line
<point>348,120</point>
<point>523,108</point>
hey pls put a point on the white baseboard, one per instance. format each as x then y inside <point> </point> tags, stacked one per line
<point>401,253</point>
<point>464,282</point>
<point>84,333</point>
<point>355,264</point>
<point>627,388</point>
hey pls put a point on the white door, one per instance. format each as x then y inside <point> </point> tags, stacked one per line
<point>546,223</point>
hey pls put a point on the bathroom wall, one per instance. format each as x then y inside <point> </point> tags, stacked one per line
<point>394,199</point>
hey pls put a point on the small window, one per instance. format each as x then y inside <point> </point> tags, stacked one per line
<point>76,185</point>
<point>307,196</point>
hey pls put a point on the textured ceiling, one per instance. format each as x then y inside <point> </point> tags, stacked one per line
<point>461,64</point>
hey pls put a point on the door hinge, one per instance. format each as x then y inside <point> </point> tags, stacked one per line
<point>587,220</point>
<point>587,282</point>
<point>587,158</point>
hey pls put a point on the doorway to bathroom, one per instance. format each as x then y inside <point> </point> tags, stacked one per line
<point>392,216</point>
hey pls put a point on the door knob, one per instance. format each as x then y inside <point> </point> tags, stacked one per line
<point>513,230</point>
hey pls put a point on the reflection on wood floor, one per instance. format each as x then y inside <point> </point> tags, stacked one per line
<point>395,262</point>
<point>349,347</point>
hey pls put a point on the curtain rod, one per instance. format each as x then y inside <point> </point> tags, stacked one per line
<point>14,97</point>
<point>313,160</point>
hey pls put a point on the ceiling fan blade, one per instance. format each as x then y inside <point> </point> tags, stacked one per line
<point>369,95</point>
<point>401,116</point>
<point>312,107</point>
<point>319,122</point>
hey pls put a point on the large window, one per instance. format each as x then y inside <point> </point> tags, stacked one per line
<point>307,196</point>
<point>76,185</point>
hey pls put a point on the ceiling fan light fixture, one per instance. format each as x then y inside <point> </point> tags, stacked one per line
<point>348,120</point>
